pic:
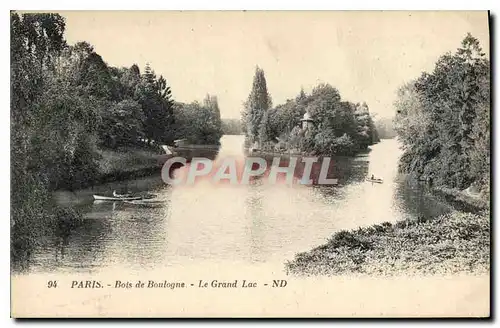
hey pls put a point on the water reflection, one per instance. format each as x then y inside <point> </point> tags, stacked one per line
<point>78,245</point>
<point>254,223</point>
<point>416,200</point>
<point>254,214</point>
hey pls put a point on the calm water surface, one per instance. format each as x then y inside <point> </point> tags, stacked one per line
<point>208,223</point>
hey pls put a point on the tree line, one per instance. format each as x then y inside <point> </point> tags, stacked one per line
<point>231,126</point>
<point>385,128</point>
<point>67,102</point>
<point>443,120</point>
<point>338,127</point>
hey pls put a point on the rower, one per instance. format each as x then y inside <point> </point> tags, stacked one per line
<point>118,195</point>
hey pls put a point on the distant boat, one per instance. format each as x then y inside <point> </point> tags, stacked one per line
<point>108,198</point>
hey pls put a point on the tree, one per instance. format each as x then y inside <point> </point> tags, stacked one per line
<point>134,69</point>
<point>290,113</point>
<point>37,41</point>
<point>323,103</point>
<point>265,130</point>
<point>366,131</point>
<point>155,98</point>
<point>124,82</point>
<point>210,102</point>
<point>340,127</point>
<point>196,123</point>
<point>231,126</point>
<point>480,153</point>
<point>122,124</point>
<point>437,118</point>
<point>93,74</point>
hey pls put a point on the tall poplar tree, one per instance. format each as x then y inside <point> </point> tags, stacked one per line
<point>258,102</point>
<point>212,104</point>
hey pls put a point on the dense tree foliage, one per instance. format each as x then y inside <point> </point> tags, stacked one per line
<point>231,126</point>
<point>36,41</point>
<point>443,120</point>
<point>199,123</point>
<point>255,107</point>
<point>337,127</point>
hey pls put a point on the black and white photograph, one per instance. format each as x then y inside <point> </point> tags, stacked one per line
<point>242,164</point>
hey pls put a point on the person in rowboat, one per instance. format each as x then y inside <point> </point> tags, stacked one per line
<point>118,195</point>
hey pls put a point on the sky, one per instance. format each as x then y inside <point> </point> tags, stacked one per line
<point>365,55</point>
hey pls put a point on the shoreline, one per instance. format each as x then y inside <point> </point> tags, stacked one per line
<point>295,152</point>
<point>114,171</point>
<point>118,166</point>
<point>124,175</point>
<point>387,249</point>
<point>301,154</point>
<point>464,197</point>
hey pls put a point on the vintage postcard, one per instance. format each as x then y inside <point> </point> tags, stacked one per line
<point>250,164</point>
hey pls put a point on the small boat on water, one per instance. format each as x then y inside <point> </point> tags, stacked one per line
<point>375,180</point>
<point>113,198</point>
<point>125,197</point>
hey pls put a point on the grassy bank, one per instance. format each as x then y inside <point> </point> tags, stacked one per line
<point>128,160</point>
<point>125,163</point>
<point>451,243</point>
<point>469,196</point>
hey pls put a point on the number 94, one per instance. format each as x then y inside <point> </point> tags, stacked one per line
<point>52,284</point>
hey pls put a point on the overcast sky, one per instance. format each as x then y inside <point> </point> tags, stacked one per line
<point>366,55</point>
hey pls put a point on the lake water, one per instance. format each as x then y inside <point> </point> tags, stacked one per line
<point>211,223</point>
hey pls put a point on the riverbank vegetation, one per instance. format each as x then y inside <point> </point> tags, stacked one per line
<point>334,126</point>
<point>69,108</point>
<point>452,243</point>
<point>443,121</point>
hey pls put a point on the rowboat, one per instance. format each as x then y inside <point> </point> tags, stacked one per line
<point>145,202</point>
<point>113,199</point>
<point>375,180</point>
